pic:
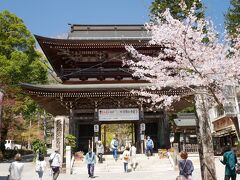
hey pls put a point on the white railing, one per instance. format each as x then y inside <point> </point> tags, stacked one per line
<point>191,148</point>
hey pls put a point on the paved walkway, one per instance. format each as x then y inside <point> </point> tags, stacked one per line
<point>29,173</point>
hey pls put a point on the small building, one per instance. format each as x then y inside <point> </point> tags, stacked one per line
<point>225,121</point>
<point>184,129</point>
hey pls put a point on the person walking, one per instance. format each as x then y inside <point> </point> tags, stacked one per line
<point>230,161</point>
<point>55,163</point>
<point>149,146</point>
<point>185,167</point>
<point>114,147</point>
<point>16,168</point>
<point>126,158</point>
<point>91,161</point>
<point>40,166</point>
<point>100,151</point>
<point>133,156</point>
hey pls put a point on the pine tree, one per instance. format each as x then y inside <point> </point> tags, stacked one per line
<point>179,9</point>
<point>232,20</point>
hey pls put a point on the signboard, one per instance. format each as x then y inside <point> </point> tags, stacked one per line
<point>223,123</point>
<point>96,128</point>
<point>142,127</point>
<point>118,114</point>
<point>95,139</point>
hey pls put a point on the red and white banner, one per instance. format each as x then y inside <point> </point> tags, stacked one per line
<point>118,114</point>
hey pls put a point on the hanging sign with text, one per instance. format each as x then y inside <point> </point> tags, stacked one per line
<point>118,114</point>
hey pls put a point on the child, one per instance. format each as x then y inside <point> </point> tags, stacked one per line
<point>126,158</point>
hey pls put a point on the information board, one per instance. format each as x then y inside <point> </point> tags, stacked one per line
<point>125,114</point>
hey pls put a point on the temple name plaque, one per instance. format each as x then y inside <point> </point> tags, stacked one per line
<point>125,114</point>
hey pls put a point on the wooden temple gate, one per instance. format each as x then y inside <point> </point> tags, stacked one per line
<point>89,64</point>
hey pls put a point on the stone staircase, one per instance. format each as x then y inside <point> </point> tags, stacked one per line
<point>144,164</point>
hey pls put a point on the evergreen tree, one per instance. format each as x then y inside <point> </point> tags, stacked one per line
<point>19,62</point>
<point>179,9</point>
<point>232,20</point>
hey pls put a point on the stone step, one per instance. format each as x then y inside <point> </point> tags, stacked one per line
<point>120,169</point>
<point>153,163</point>
<point>119,163</point>
<point>149,165</point>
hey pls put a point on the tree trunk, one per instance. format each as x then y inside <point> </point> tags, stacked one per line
<point>29,135</point>
<point>1,114</point>
<point>206,153</point>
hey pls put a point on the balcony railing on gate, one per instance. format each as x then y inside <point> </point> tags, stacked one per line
<point>189,148</point>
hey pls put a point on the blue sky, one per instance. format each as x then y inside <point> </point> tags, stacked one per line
<point>51,17</point>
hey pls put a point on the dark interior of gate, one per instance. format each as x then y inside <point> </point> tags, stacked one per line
<point>156,126</point>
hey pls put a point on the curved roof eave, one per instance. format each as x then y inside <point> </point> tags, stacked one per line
<point>84,87</point>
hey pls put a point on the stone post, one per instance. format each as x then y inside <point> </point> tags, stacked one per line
<point>59,132</point>
<point>68,159</point>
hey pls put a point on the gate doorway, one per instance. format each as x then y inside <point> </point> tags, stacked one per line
<point>125,133</point>
<point>85,136</point>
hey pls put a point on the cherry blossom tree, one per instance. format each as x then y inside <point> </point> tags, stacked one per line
<point>192,58</point>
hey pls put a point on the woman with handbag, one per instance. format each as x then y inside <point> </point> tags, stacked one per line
<point>55,163</point>
<point>185,167</point>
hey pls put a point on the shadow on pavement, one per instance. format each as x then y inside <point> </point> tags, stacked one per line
<point>25,158</point>
<point>3,177</point>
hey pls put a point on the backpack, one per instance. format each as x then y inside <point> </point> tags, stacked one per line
<point>39,167</point>
<point>149,143</point>
<point>115,143</point>
<point>126,157</point>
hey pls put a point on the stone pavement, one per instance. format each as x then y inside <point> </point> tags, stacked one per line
<point>29,173</point>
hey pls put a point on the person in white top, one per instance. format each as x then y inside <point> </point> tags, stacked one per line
<point>126,158</point>
<point>100,151</point>
<point>40,166</point>
<point>16,168</point>
<point>133,155</point>
<point>55,163</point>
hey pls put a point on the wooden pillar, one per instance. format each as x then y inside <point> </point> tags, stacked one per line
<point>141,131</point>
<point>133,141</point>
<point>104,136</point>
<point>184,140</point>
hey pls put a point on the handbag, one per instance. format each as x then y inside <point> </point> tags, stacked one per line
<point>51,160</point>
<point>181,177</point>
<point>238,168</point>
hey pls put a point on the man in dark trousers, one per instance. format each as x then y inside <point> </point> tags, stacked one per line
<point>91,161</point>
<point>230,161</point>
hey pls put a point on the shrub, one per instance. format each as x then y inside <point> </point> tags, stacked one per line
<point>39,146</point>
<point>71,140</point>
